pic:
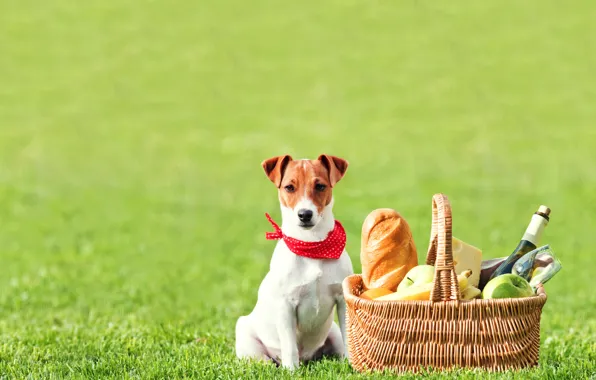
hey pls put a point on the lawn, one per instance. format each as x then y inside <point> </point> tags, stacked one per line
<point>132,199</point>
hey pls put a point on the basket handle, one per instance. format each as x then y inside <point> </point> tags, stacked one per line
<point>440,254</point>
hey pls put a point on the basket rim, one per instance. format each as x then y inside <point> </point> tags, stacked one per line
<point>350,297</point>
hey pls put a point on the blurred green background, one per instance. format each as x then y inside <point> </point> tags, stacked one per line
<point>131,136</point>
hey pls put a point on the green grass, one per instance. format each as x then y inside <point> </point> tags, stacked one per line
<point>131,136</point>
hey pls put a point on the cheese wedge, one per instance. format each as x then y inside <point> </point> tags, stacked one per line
<point>466,256</point>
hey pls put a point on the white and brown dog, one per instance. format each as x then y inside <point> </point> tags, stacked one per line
<point>292,320</point>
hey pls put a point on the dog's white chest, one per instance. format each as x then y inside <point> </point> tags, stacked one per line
<point>315,300</point>
<point>312,286</point>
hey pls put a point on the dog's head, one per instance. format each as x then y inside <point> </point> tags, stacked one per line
<point>305,186</point>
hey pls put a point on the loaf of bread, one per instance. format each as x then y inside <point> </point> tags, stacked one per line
<point>387,249</point>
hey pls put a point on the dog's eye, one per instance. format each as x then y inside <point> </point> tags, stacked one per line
<point>290,188</point>
<point>320,187</point>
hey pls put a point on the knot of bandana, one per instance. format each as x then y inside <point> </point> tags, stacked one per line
<point>330,248</point>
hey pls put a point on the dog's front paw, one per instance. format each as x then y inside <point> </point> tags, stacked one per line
<point>346,355</point>
<point>291,364</point>
<point>291,367</point>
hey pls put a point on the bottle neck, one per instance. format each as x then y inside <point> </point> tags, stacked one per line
<point>535,228</point>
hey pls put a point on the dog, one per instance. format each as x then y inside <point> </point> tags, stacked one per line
<point>293,319</point>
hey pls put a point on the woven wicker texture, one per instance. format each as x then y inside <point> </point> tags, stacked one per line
<point>445,331</point>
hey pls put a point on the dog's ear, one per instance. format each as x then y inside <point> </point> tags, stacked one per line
<point>275,167</point>
<point>335,166</point>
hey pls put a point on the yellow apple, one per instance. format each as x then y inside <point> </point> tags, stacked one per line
<point>419,275</point>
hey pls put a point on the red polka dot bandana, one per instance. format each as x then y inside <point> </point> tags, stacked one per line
<point>330,248</point>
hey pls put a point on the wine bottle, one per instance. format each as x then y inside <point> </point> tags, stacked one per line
<point>528,242</point>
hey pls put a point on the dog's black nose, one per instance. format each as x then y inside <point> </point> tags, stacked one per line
<point>304,215</point>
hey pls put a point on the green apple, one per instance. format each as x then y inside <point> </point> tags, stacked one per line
<point>507,286</point>
<point>419,275</point>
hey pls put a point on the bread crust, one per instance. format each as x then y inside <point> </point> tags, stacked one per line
<point>387,249</point>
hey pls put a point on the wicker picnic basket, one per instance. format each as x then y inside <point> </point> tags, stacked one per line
<point>443,332</point>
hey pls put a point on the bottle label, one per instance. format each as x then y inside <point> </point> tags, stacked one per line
<point>535,228</point>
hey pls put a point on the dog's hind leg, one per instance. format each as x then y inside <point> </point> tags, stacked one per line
<point>248,346</point>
